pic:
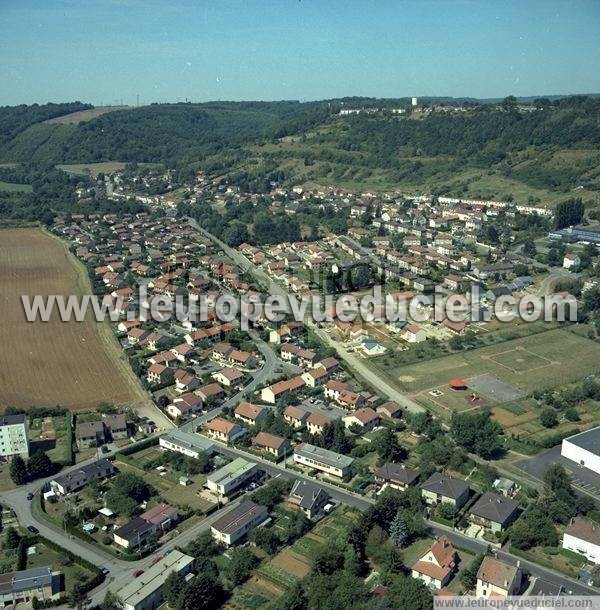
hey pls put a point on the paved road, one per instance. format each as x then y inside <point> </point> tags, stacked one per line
<point>261,377</point>
<point>460,540</point>
<point>357,364</point>
<point>120,571</point>
<point>584,480</point>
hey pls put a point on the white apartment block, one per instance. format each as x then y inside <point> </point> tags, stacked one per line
<point>14,436</point>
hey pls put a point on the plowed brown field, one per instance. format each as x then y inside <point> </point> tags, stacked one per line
<point>73,364</point>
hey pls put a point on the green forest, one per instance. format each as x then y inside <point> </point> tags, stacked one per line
<point>487,151</point>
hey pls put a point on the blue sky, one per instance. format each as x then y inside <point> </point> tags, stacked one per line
<point>108,51</point>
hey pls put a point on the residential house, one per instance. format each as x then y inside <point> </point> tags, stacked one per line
<point>582,536</point>
<point>273,393</point>
<point>295,416</point>
<point>397,476</point>
<point>309,497</point>
<point>224,430</point>
<point>440,488</point>
<point>571,261</point>
<point>90,434</point>
<point>19,589</point>
<point>158,374</point>
<point>324,460</point>
<point>250,414</point>
<point>75,480</point>
<point>116,426</point>
<point>315,423</point>
<point>497,579</point>
<point>228,377</point>
<point>437,565</point>
<point>390,409</point>
<point>184,406</point>
<point>211,391</point>
<point>315,377</point>
<point>366,418</point>
<point>272,444</point>
<point>238,522</point>
<point>494,512</point>
<point>184,381</point>
<point>155,521</point>
<point>414,334</point>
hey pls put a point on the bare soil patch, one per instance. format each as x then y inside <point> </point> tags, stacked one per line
<point>73,364</point>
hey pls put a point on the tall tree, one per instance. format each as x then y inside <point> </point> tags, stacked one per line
<point>18,470</point>
<point>399,531</point>
<point>173,589</point>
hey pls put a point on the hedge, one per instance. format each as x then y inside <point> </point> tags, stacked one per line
<point>97,578</point>
<point>69,458</point>
<point>148,442</point>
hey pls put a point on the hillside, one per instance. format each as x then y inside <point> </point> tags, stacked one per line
<point>538,156</point>
<point>158,133</point>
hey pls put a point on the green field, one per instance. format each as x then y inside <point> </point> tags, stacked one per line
<point>539,361</point>
<point>93,169</point>
<point>15,188</point>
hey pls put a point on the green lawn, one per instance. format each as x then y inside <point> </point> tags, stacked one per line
<point>560,356</point>
<point>15,188</point>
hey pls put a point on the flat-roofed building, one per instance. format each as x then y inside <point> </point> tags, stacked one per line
<point>14,436</point>
<point>146,591</point>
<point>230,477</point>
<point>238,522</point>
<point>583,449</point>
<point>323,459</point>
<point>186,443</point>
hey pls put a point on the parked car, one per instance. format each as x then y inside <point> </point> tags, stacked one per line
<point>137,573</point>
<point>30,496</point>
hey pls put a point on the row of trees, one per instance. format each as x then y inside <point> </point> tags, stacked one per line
<point>38,466</point>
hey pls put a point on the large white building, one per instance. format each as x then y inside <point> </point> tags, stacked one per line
<point>146,591</point>
<point>583,449</point>
<point>14,436</point>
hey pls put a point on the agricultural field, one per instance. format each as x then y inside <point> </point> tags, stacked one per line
<point>83,116</point>
<point>73,364</point>
<point>500,373</point>
<point>275,576</point>
<point>93,169</point>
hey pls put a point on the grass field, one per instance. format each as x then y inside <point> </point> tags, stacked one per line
<point>539,361</point>
<point>15,188</point>
<point>93,169</point>
<point>82,116</point>
<point>75,365</point>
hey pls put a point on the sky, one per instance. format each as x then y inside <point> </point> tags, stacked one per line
<point>112,51</point>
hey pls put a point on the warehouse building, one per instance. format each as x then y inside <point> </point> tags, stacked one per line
<point>583,449</point>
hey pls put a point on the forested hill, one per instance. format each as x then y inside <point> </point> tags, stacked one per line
<point>484,150</point>
<point>158,133</point>
<point>16,119</point>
